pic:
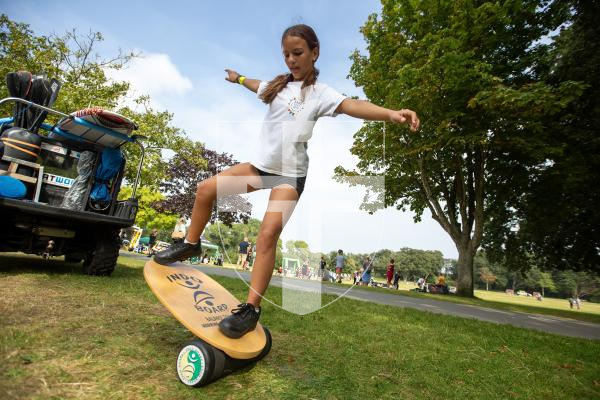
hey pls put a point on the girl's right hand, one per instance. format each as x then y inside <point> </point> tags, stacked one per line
<point>232,76</point>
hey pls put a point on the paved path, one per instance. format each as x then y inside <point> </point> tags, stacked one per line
<point>545,323</point>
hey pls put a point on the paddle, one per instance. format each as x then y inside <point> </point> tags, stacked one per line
<point>24,91</point>
<point>50,99</point>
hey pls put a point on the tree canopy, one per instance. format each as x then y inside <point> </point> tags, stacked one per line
<point>72,59</point>
<point>553,196</point>
<point>191,165</point>
<point>474,72</point>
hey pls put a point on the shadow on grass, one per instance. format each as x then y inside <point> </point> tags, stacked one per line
<point>17,264</point>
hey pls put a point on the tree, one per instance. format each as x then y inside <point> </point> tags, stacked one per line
<point>190,166</point>
<point>69,58</point>
<point>158,132</point>
<point>546,282</point>
<point>147,216</point>
<point>535,278</point>
<point>298,249</point>
<point>555,206</point>
<point>72,59</point>
<point>413,263</point>
<point>486,277</point>
<point>450,61</point>
<point>580,284</point>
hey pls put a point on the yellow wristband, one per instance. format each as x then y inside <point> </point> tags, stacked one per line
<point>241,79</point>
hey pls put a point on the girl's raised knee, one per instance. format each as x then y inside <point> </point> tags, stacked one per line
<point>205,189</point>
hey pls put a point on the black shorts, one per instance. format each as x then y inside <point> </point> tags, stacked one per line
<point>273,180</point>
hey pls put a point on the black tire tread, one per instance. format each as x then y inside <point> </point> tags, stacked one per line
<point>103,260</point>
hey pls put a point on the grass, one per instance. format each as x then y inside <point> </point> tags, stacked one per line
<point>590,312</point>
<point>66,335</point>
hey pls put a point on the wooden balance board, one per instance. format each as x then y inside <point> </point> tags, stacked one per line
<point>199,303</point>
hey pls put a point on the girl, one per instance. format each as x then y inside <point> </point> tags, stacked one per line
<point>296,100</point>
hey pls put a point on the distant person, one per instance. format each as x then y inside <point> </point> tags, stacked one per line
<point>421,284</point>
<point>340,261</point>
<point>389,274</point>
<point>397,280</point>
<point>366,276</point>
<point>152,241</point>
<point>178,233</point>
<point>322,266</point>
<point>441,284</point>
<point>243,252</point>
<point>246,264</point>
<point>441,280</point>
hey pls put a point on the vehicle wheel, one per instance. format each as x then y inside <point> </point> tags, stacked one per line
<point>103,259</point>
<point>70,258</point>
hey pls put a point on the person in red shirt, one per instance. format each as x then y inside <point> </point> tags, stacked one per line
<point>390,273</point>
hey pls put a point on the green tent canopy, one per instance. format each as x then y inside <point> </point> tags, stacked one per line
<point>208,245</point>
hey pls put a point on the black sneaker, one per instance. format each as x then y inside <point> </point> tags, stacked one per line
<point>178,252</point>
<point>241,321</point>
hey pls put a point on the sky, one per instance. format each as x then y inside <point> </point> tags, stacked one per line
<point>185,46</point>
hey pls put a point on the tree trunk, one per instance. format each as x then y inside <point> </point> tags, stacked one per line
<point>464,284</point>
<point>487,286</point>
<point>543,292</point>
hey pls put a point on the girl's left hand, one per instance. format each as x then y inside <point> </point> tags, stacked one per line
<point>406,116</point>
<point>232,76</point>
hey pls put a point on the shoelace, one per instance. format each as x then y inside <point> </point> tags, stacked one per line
<point>182,245</point>
<point>244,308</point>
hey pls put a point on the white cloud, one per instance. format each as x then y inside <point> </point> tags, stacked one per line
<point>153,74</point>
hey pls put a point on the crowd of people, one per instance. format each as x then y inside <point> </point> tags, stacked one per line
<point>361,277</point>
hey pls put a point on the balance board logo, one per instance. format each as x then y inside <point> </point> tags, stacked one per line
<point>203,301</point>
<point>191,365</point>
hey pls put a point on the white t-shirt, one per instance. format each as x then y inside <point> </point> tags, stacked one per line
<point>289,124</point>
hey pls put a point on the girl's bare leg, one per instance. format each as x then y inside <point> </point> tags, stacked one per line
<point>206,194</point>
<point>282,201</point>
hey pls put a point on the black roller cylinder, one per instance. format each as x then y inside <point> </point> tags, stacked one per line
<point>234,364</point>
<point>197,355</point>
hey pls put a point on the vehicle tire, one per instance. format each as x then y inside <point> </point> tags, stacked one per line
<point>103,259</point>
<point>71,258</point>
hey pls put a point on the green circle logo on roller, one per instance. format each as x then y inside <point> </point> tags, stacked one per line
<point>190,365</point>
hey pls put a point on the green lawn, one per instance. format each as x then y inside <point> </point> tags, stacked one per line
<point>66,335</point>
<point>589,312</point>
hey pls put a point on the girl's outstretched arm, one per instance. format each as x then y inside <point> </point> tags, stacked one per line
<point>250,84</point>
<point>369,111</point>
